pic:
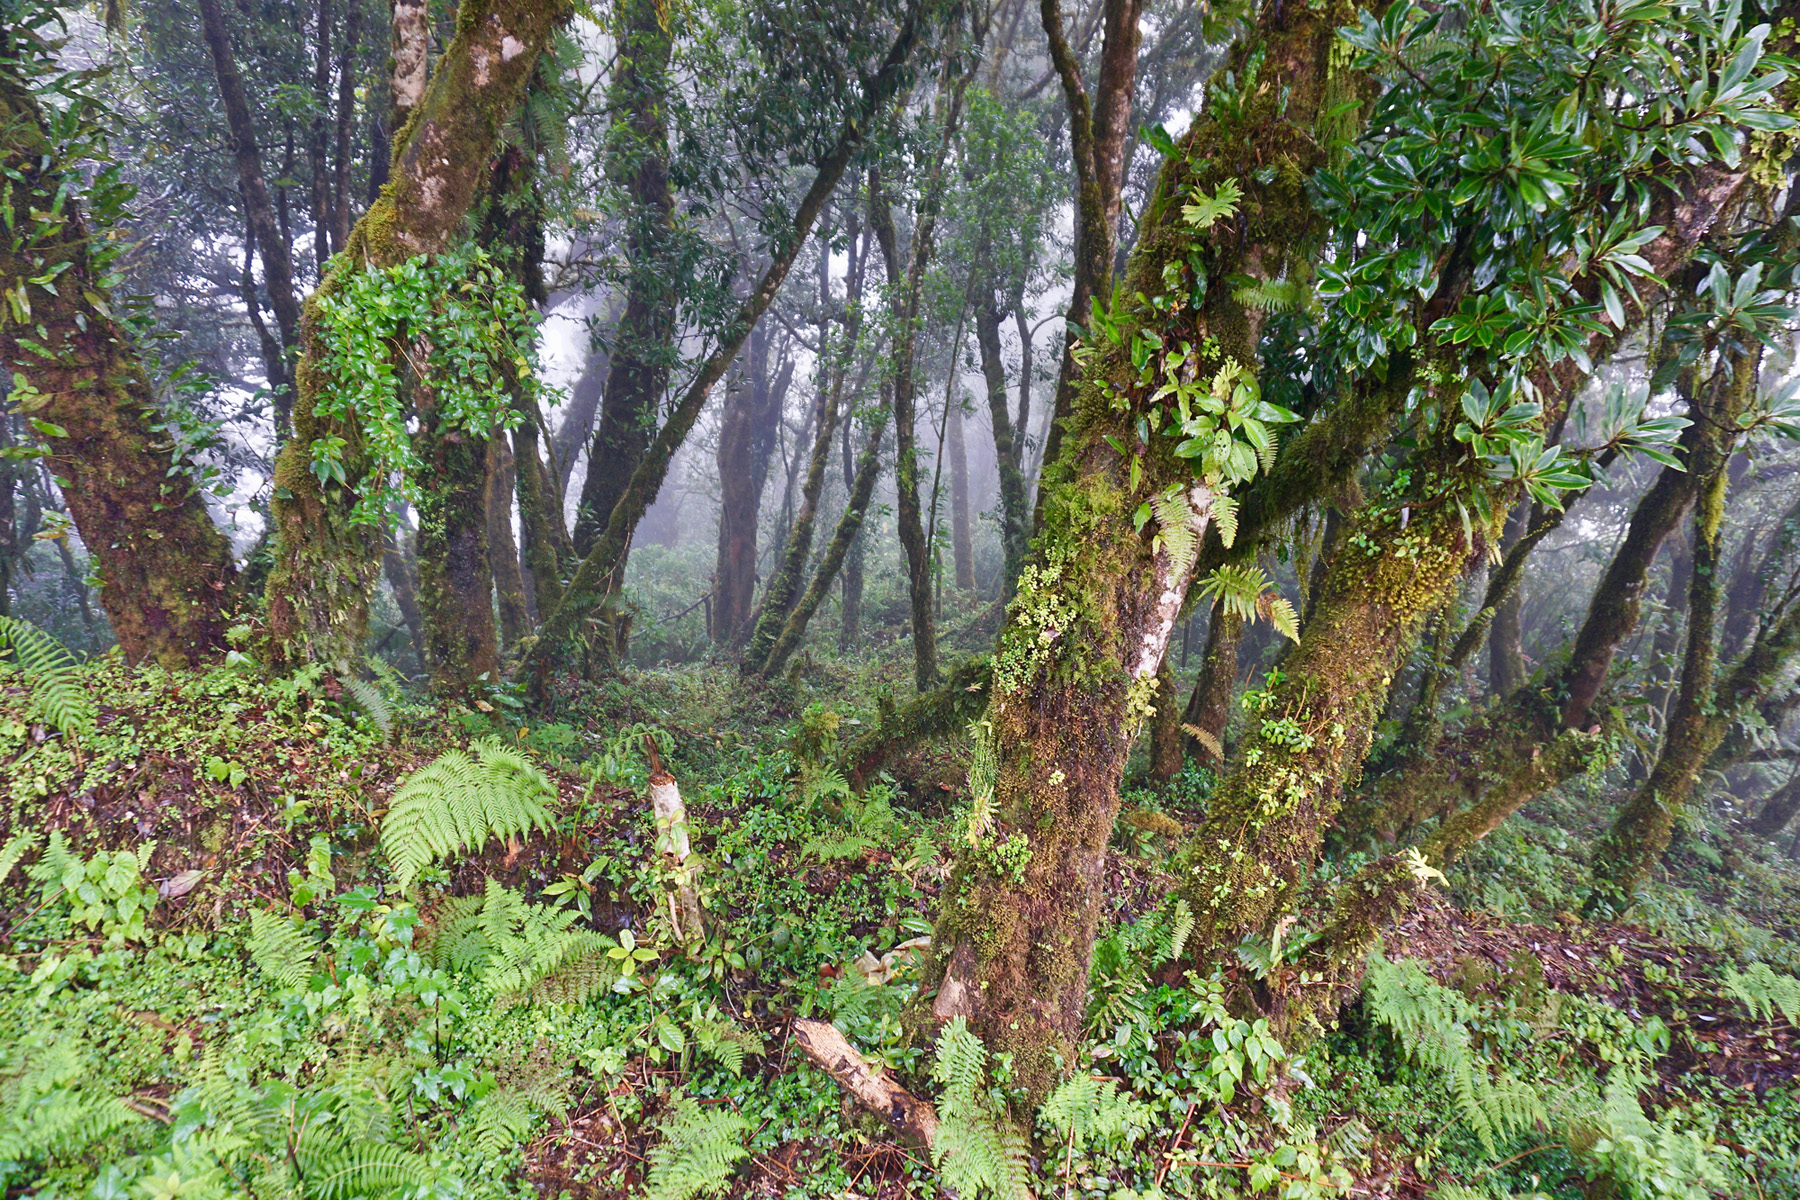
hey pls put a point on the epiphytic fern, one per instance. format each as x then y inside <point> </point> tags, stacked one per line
<point>281,948</point>
<point>1246,591</point>
<point>52,670</point>
<point>47,1108</point>
<point>1178,527</point>
<point>1432,1024</point>
<point>977,1148</point>
<point>701,1147</point>
<point>459,802</point>
<point>1765,992</point>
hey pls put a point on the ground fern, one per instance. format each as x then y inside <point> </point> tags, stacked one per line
<point>281,948</point>
<point>700,1149</point>
<point>54,675</point>
<point>1765,992</point>
<point>977,1150</point>
<point>458,802</point>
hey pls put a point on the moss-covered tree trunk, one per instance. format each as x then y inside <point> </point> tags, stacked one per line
<point>1506,650</point>
<point>167,578</point>
<point>1776,811</point>
<point>1209,705</point>
<point>643,345</point>
<point>503,551</point>
<point>317,593</point>
<point>456,594</point>
<point>1099,598</point>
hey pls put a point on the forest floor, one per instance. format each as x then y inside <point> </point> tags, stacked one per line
<point>210,986</point>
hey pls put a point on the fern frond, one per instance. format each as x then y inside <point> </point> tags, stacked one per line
<point>1088,1107</point>
<point>1205,739</point>
<point>1177,525</point>
<point>700,1150</point>
<point>54,676</point>
<point>1225,516</point>
<point>357,1169</point>
<point>46,1108</point>
<point>975,1147</point>
<point>20,844</point>
<point>281,949</point>
<point>1762,990</point>
<point>1246,591</point>
<point>371,703</point>
<point>503,1120</point>
<point>458,802</point>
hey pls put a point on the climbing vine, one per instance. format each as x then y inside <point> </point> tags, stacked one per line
<point>455,323</point>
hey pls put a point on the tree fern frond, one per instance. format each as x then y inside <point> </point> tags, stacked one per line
<point>371,703</point>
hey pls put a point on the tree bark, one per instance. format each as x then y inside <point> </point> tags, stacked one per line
<point>1209,706</point>
<point>503,552</point>
<point>643,343</point>
<point>323,214</point>
<point>325,561</point>
<point>1777,811</point>
<point>1506,650</point>
<point>746,439</point>
<point>400,564</point>
<point>346,115</point>
<point>962,550</point>
<point>271,241</point>
<point>167,575</point>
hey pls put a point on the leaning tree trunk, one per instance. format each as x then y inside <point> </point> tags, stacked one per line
<point>318,591</point>
<point>167,578</point>
<point>643,344</point>
<point>1506,650</point>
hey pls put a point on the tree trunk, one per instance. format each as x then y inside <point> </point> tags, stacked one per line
<point>544,537</point>
<point>271,241</point>
<point>323,215</point>
<point>746,438</point>
<point>643,344</point>
<point>1777,810</point>
<point>850,603</point>
<point>400,564</point>
<point>503,553</point>
<point>962,551</point>
<point>456,595</point>
<point>1209,706</point>
<point>167,575</point>
<point>1015,517</point>
<point>324,560</point>
<point>1506,651</point>
<point>1165,728</point>
<point>1097,132</point>
<point>346,114</point>
<point>409,52</point>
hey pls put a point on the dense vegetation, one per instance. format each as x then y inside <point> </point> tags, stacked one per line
<point>884,600</point>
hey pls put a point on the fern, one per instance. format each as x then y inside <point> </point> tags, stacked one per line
<point>1765,992</point>
<point>872,825</point>
<point>517,948</point>
<point>1272,295</point>
<point>723,1040</point>
<point>371,703</point>
<point>503,1119</point>
<point>281,949</point>
<point>1432,1024</point>
<point>458,802</point>
<point>977,1149</point>
<point>47,1109</point>
<point>1205,210</point>
<point>1088,1107</point>
<point>54,675</point>
<point>701,1147</point>
<point>1246,591</point>
<point>20,844</point>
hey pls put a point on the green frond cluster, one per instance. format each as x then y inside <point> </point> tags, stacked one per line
<point>460,801</point>
<point>723,1040</point>
<point>1088,1107</point>
<point>1432,1023</point>
<point>701,1146</point>
<point>1765,992</point>
<point>54,676</point>
<point>19,845</point>
<point>371,701</point>
<point>1273,295</point>
<point>1175,526</point>
<point>1245,590</point>
<point>978,1149</point>
<point>517,948</point>
<point>871,825</point>
<point>281,948</point>
<point>46,1108</point>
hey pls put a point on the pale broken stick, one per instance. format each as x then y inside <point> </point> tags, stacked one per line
<point>672,841</point>
<point>832,1053</point>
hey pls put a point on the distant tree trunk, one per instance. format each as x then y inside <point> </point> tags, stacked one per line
<point>850,603</point>
<point>1777,811</point>
<point>409,52</point>
<point>1015,515</point>
<point>544,537</point>
<point>746,438</point>
<point>271,240</point>
<point>346,114</point>
<point>1165,727</point>
<point>637,159</point>
<point>503,552</point>
<point>577,425</point>
<point>962,552</point>
<point>167,575</point>
<point>323,215</point>
<point>324,560</point>
<point>1209,706</point>
<point>1506,651</point>
<point>401,566</point>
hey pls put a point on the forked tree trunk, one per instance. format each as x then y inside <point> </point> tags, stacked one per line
<point>167,578</point>
<point>1015,514</point>
<point>318,591</point>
